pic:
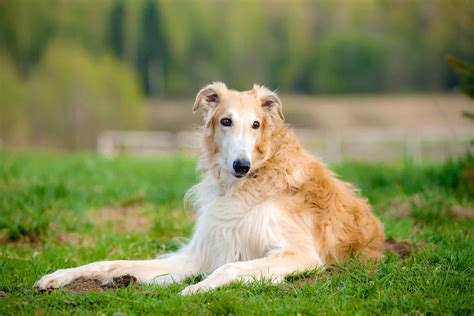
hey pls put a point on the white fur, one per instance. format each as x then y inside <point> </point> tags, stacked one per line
<point>228,230</point>
<point>237,141</point>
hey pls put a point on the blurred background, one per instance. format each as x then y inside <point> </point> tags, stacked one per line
<point>360,79</point>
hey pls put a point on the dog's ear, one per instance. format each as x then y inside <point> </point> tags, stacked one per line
<point>271,103</point>
<point>209,97</point>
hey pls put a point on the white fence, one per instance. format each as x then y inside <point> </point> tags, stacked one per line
<point>358,144</point>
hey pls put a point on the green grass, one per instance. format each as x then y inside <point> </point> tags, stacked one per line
<point>52,208</point>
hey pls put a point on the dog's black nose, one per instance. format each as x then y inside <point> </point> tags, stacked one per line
<point>241,167</point>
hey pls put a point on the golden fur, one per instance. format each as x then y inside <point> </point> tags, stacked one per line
<point>343,224</point>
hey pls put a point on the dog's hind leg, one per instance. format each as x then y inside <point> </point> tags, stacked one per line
<point>173,268</point>
<point>273,268</point>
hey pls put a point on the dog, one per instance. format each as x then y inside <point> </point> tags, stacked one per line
<point>266,208</point>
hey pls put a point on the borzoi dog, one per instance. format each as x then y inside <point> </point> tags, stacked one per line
<point>265,207</point>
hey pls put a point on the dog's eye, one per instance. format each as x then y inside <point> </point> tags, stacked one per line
<point>256,125</point>
<point>226,122</point>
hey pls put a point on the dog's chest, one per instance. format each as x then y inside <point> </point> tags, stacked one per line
<point>236,232</point>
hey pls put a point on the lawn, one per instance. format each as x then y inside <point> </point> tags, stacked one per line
<point>61,210</point>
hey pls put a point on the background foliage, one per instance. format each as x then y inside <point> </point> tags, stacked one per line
<point>69,64</point>
<point>306,45</point>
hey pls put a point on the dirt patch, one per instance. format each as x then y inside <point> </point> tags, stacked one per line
<point>459,212</point>
<point>129,216</point>
<point>402,207</point>
<point>122,281</point>
<point>402,249</point>
<point>3,295</point>
<point>75,238</point>
<point>83,285</point>
<point>467,178</point>
<point>24,241</point>
<point>122,219</point>
<point>136,200</point>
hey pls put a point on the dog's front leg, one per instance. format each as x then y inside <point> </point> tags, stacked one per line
<point>158,271</point>
<point>273,268</point>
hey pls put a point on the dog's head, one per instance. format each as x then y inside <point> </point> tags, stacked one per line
<point>238,124</point>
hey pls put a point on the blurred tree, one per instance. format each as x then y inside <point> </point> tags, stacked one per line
<point>13,96</point>
<point>116,28</point>
<point>152,51</point>
<point>74,96</point>
<point>452,29</point>
<point>466,75</point>
<point>25,28</point>
<point>82,22</point>
<point>348,63</point>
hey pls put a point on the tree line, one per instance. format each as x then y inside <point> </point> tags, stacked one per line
<point>301,46</point>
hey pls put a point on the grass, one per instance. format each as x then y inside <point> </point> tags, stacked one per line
<point>60,210</point>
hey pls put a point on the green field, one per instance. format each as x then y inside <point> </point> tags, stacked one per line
<point>61,210</point>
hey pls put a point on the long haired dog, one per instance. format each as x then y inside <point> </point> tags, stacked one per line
<point>265,207</point>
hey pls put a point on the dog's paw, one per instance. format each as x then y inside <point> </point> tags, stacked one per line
<point>55,280</point>
<point>196,288</point>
